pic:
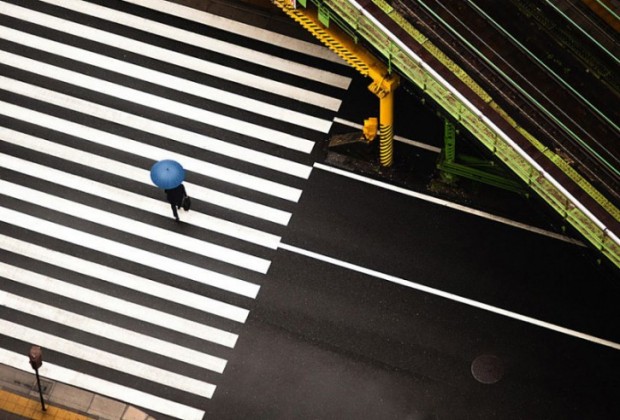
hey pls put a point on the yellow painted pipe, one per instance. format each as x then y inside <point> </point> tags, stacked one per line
<point>384,82</point>
<point>386,129</point>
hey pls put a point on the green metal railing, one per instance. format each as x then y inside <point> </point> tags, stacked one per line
<point>462,110</point>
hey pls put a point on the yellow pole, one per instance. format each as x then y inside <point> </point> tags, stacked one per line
<point>384,82</point>
<point>386,129</point>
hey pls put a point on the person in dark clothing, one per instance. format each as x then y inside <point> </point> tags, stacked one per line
<point>175,197</point>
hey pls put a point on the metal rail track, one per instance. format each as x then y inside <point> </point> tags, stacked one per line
<point>548,89</point>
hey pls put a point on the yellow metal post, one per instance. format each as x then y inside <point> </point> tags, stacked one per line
<point>384,81</point>
<point>386,130</point>
<point>383,87</point>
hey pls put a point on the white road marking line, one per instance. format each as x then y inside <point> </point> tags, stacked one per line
<point>108,360</point>
<point>166,80</point>
<point>143,176</point>
<point>139,284</point>
<point>112,332</point>
<point>124,197</point>
<point>144,150</point>
<point>126,252</point>
<point>168,56</point>
<point>245,128</point>
<point>450,296</point>
<point>249,31</point>
<point>103,387</point>
<point>401,139</point>
<point>135,227</point>
<point>211,44</point>
<point>449,204</point>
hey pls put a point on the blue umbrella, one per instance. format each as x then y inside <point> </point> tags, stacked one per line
<point>167,174</point>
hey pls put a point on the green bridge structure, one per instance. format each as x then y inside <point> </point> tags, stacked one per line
<point>344,25</point>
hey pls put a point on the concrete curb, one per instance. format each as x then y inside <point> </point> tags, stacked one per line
<point>74,400</point>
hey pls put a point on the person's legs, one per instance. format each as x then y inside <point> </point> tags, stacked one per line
<point>174,211</point>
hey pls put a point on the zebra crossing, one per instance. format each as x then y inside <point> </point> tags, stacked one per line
<point>125,301</point>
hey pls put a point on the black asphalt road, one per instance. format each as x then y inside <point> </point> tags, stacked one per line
<point>326,342</point>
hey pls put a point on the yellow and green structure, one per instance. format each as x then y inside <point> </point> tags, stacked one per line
<point>342,24</point>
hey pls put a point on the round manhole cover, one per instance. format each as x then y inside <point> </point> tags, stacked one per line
<point>487,369</point>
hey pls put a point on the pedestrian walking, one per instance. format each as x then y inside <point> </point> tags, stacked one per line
<point>169,175</point>
<point>176,197</point>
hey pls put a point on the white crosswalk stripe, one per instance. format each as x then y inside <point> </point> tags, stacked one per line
<point>154,127</point>
<point>162,54</point>
<point>111,332</point>
<point>163,79</point>
<point>122,196</point>
<point>110,360</point>
<point>253,32</point>
<point>135,227</point>
<point>98,136</point>
<point>149,100</point>
<point>120,306</point>
<point>140,175</point>
<point>120,250</point>
<point>92,267</point>
<point>131,281</point>
<point>202,41</point>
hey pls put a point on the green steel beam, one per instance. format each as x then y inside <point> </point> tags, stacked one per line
<point>449,141</point>
<point>413,68</point>
<point>471,167</point>
<point>478,175</point>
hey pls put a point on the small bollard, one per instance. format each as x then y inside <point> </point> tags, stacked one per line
<point>36,360</point>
